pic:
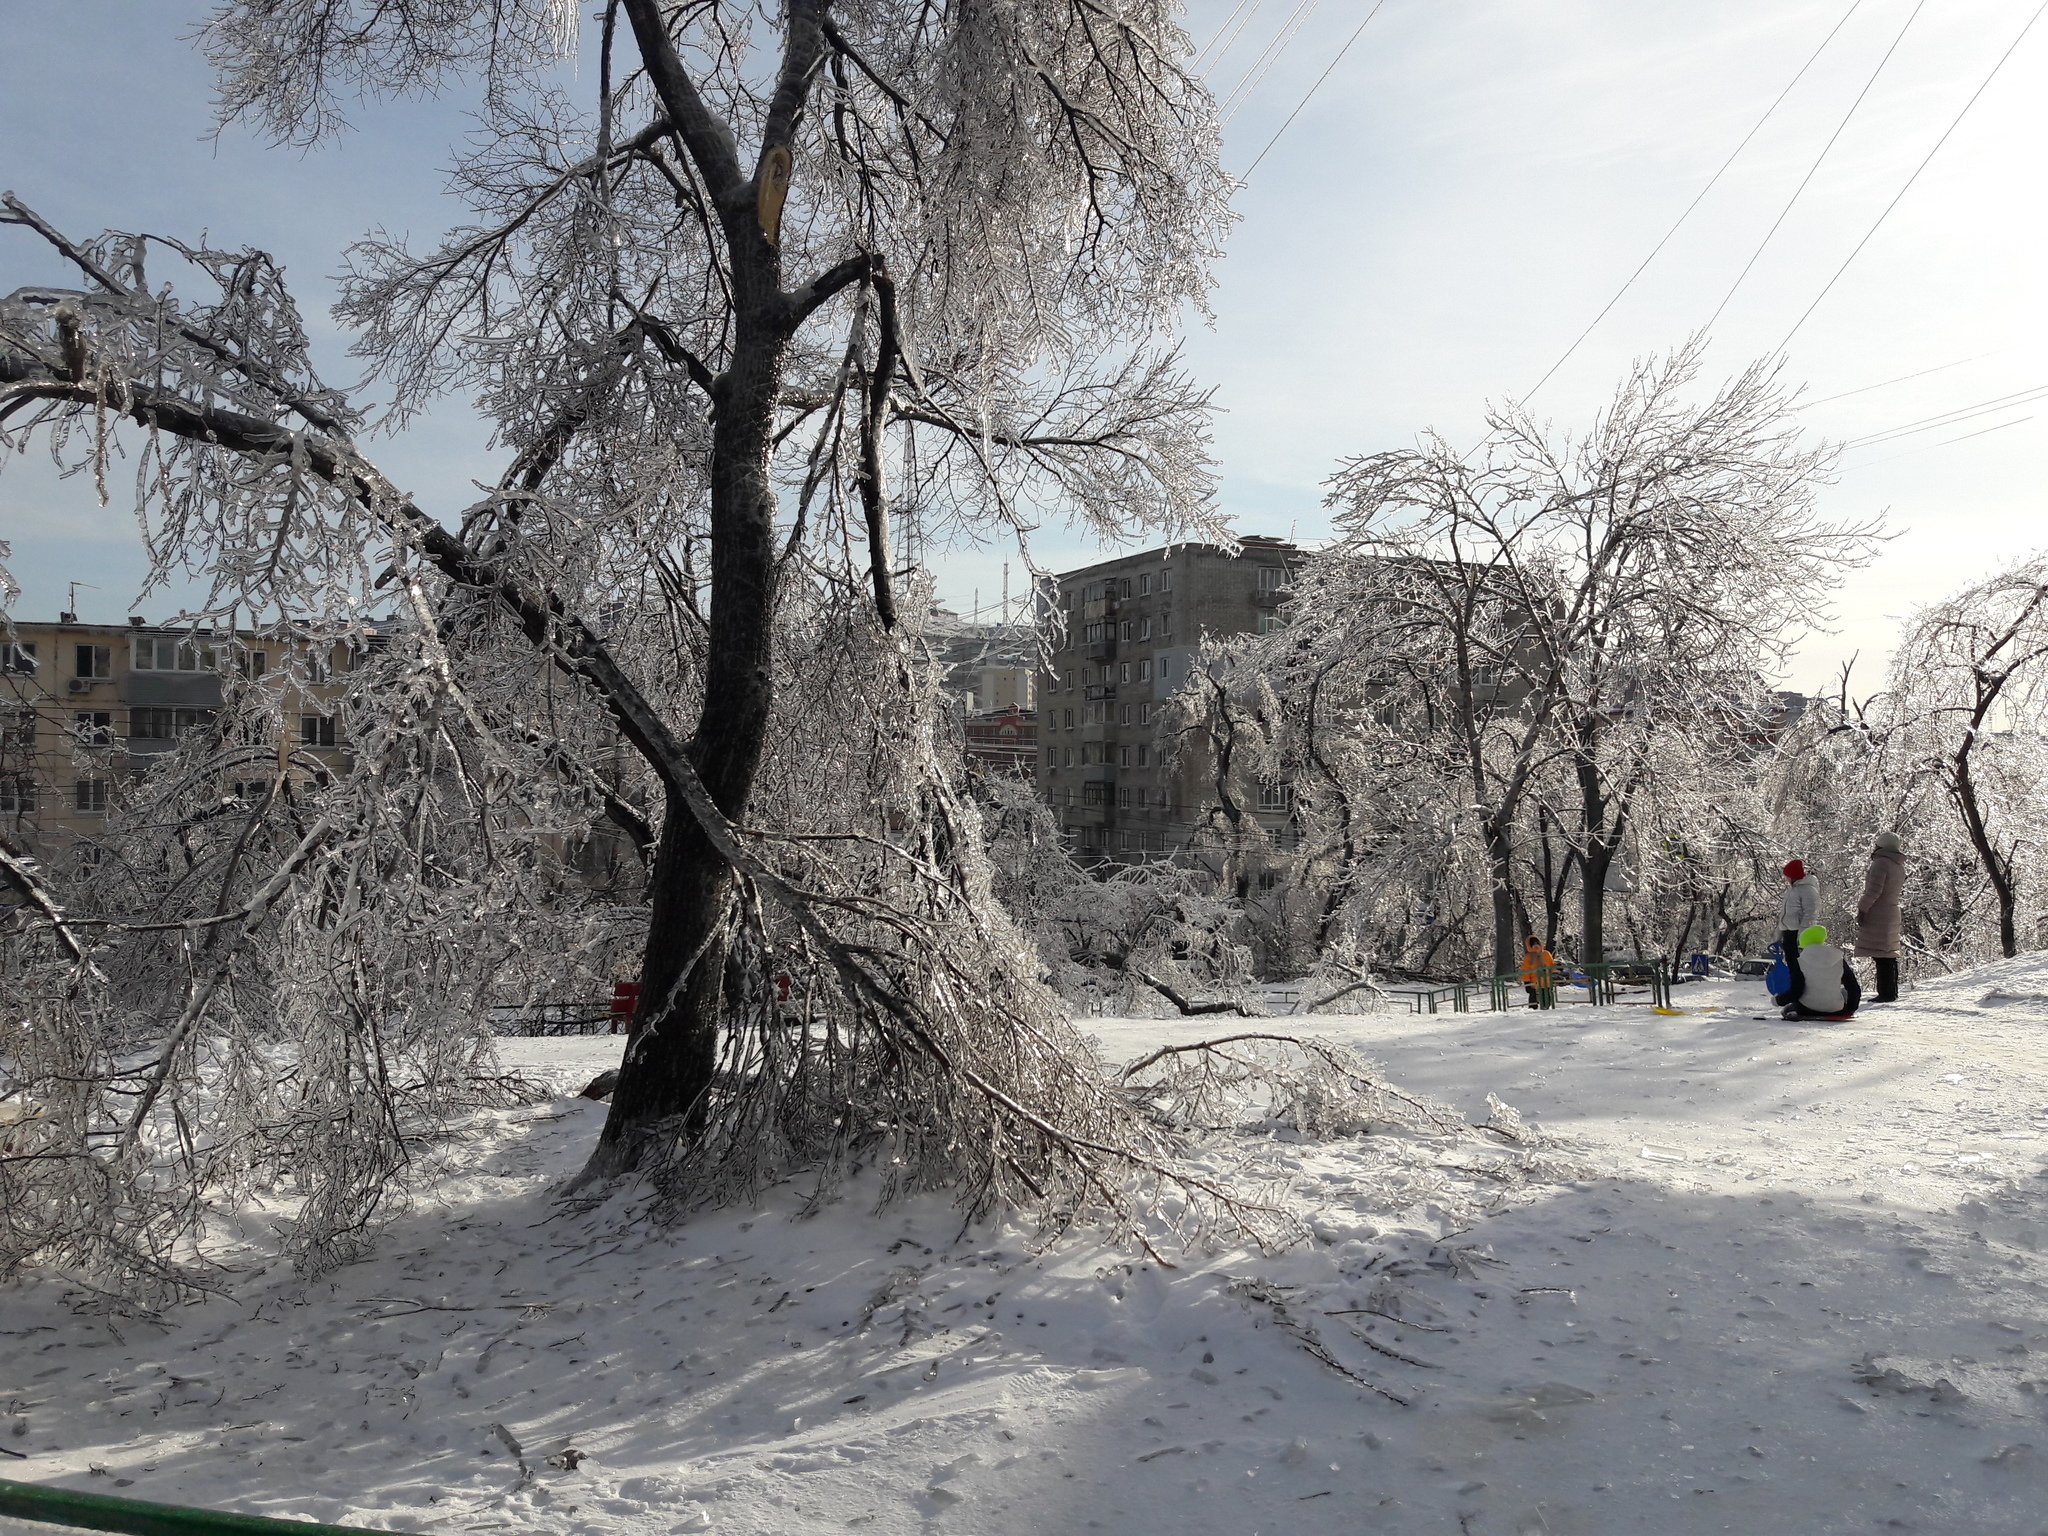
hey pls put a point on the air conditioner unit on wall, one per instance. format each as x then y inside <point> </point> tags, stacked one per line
<point>81,685</point>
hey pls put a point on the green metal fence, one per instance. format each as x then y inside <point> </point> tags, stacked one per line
<point>140,1517</point>
<point>1601,982</point>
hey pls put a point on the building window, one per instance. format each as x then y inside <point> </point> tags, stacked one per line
<point>1269,622</point>
<point>1144,714</point>
<point>253,663</point>
<point>165,653</point>
<point>1166,581</point>
<point>95,661</point>
<point>1145,629</point>
<point>17,657</point>
<point>316,730</point>
<point>95,727</point>
<point>1124,672</point>
<point>1269,881</point>
<point>1070,757</point>
<point>166,724</point>
<point>1052,757</point>
<point>1274,795</point>
<point>1143,753</point>
<point>1123,714</point>
<point>1070,719</point>
<point>1144,583</point>
<point>1145,670</point>
<point>17,794</point>
<point>1130,629</point>
<point>18,730</point>
<point>1272,578</point>
<point>1130,839</point>
<point>1095,792</point>
<point>91,797</point>
<point>1123,757</point>
<point>1068,675</point>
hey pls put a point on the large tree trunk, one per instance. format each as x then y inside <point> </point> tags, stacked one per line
<point>1997,868</point>
<point>1594,864</point>
<point>673,1048</point>
<point>1500,859</point>
<point>672,1053</point>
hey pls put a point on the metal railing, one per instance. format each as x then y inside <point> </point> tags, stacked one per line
<point>141,1517</point>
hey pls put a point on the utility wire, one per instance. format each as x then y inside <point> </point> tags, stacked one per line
<point>1319,85</point>
<point>1697,200</point>
<point>1888,207</point>
<point>1254,76</point>
<point>1950,418</point>
<point>1230,42</point>
<point>1930,447</point>
<point>1814,169</point>
<point>1805,405</point>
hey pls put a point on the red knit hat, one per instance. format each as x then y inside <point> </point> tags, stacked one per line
<point>1796,870</point>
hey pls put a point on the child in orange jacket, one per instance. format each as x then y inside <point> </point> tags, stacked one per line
<point>1539,973</point>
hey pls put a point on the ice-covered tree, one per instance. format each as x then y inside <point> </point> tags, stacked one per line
<point>729,296</point>
<point>1557,598</point>
<point>1968,708</point>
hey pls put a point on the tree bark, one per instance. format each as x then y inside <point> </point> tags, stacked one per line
<point>1997,868</point>
<point>672,1052</point>
<point>1500,859</point>
<point>1596,858</point>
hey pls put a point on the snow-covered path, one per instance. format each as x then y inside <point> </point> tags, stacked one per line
<point>1804,1290</point>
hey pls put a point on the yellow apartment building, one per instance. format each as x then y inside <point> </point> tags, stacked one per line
<point>86,707</point>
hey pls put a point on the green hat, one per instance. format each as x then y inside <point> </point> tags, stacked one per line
<point>1809,937</point>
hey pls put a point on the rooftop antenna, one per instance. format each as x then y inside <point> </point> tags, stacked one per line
<point>71,605</point>
<point>1006,591</point>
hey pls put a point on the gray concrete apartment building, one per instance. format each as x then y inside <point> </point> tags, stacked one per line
<point>1121,635</point>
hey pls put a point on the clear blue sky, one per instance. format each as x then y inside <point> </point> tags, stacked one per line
<point>1469,187</point>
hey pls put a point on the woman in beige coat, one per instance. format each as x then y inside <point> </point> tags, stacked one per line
<point>1877,914</point>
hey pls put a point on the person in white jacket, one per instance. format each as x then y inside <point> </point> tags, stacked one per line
<point>1827,987</point>
<point>1800,911</point>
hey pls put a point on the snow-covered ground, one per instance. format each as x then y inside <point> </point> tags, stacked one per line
<point>1798,1285</point>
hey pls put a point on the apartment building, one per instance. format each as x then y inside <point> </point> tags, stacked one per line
<point>1122,635</point>
<point>84,707</point>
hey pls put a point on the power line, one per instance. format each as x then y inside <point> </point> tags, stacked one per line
<point>1264,63</point>
<point>1231,41</point>
<point>1886,383</point>
<point>1756,128</point>
<point>1930,447</point>
<point>1319,85</point>
<point>1961,413</point>
<point>1814,169</point>
<point>1888,207</point>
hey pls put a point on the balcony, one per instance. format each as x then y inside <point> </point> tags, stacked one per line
<point>1270,597</point>
<point>1099,650</point>
<point>1095,691</point>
